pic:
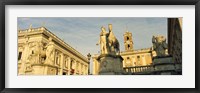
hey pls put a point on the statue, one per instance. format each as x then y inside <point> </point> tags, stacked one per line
<point>159,45</point>
<point>113,42</point>
<point>104,41</point>
<point>109,59</point>
<point>108,42</point>
<point>37,52</point>
<point>50,52</point>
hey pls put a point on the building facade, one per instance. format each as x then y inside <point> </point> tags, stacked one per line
<point>40,52</point>
<point>132,58</point>
<point>175,39</point>
<point>175,42</point>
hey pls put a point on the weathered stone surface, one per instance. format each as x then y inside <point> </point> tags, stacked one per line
<point>110,64</point>
<point>164,65</point>
<point>163,60</point>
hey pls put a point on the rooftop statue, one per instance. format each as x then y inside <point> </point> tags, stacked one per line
<point>159,45</point>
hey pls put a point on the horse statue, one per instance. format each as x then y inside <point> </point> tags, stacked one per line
<point>113,42</point>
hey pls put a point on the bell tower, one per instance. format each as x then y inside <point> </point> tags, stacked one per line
<point>128,41</point>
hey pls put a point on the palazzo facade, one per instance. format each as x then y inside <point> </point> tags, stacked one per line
<point>40,52</point>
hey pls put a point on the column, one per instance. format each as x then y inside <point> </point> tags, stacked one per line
<point>61,59</point>
<point>87,70</point>
<point>24,57</point>
<point>69,65</point>
<point>75,64</point>
<point>83,69</point>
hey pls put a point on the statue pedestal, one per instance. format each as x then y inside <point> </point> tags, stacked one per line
<point>110,64</point>
<point>164,66</point>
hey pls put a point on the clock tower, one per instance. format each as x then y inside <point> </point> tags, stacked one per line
<point>128,41</point>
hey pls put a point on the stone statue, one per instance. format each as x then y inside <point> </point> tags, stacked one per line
<point>159,45</point>
<point>36,53</point>
<point>108,42</point>
<point>113,42</point>
<point>50,52</point>
<point>110,60</point>
<point>104,41</point>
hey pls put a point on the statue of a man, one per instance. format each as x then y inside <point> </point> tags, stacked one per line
<point>104,41</point>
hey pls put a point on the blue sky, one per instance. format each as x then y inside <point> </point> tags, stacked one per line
<point>82,33</point>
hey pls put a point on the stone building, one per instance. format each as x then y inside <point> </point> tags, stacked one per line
<point>175,41</point>
<point>40,52</point>
<point>132,58</point>
<point>175,38</point>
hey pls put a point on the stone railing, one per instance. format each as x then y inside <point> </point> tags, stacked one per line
<point>155,69</point>
<point>139,69</point>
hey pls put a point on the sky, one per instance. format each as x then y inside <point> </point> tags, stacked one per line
<point>82,33</point>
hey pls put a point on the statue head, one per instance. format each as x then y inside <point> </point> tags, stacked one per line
<point>103,29</point>
<point>159,39</point>
<point>110,27</point>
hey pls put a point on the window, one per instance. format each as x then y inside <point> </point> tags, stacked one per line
<point>71,62</point>
<point>128,46</point>
<point>138,57</point>
<point>20,55</point>
<point>64,73</point>
<point>128,62</point>
<point>127,38</point>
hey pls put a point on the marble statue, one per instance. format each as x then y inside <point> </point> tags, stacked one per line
<point>108,42</point>
<point>50,52</point>
<point>109,59</point>
<point>104,41</point>
<point>36,53</point>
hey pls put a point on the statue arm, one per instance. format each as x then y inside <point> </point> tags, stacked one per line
<point>98,42</point>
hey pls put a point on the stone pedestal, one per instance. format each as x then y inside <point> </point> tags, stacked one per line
<point>164,65</point>
<point>110,64</point>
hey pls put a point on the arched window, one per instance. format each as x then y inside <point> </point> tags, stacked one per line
<point>128,46</point>
<point>127,38</point>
